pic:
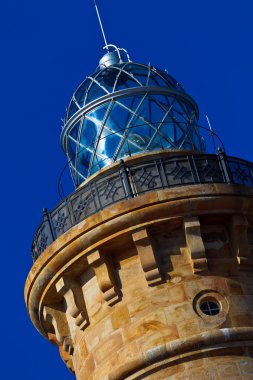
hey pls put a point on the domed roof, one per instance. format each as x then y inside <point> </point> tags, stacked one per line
<point>125,108</point>
<point>118,77</point>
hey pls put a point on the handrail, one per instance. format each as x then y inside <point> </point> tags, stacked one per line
<point>134,179</point>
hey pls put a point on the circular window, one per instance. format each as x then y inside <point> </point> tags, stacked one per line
<point>210,307</point>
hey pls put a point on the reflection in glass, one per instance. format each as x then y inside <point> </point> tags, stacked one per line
<point>128,124</point>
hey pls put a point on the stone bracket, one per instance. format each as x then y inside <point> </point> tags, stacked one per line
<point>66,357</point>
<point>58,320</point>
<point>103,268</point>
<point>195,244</point>
<point>239,241</point>
<point>73,295</point>
<point>146,254</point>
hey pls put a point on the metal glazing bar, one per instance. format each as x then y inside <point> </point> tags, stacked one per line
<point>119,94</point>
<point>111,130</point>
<point>121,143</point>
<point>118,75</point>
<point>94,153</point>
<point>159,126</point>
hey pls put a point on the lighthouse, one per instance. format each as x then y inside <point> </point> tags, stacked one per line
<point>144,271</point>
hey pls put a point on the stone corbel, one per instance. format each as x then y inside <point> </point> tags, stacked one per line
<point>195,244</point>
<point>103,268</point>
<point>66,358</point>
<point>146,254</point>
<point>58,320</point>
<point>239,241</point>
<point>74,299</point>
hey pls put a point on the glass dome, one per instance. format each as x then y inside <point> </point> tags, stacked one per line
<point>119,77</point>
<point>124,109</point>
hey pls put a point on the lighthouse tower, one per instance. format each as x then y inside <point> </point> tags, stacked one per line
<point>145,270</point>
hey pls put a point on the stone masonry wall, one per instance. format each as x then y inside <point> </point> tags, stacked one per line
<point>132,306</point>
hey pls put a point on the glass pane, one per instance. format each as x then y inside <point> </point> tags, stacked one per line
<point>107,146</point>
<point>156,80</point>
<point>125,81</point>
<point>94,93</point>
<point>195,137</point>
<point>130,102</point>
<point>99,163</point>
<point>180,118</point>
<point>139,136</point>
<point>72,147</point>
<point>151,111</point>
<point>72,109</point>
<point>72,141</point>
<point>141,73</point>
<point>107,78</point>
<point>89,133</point>
<point>83,161</point>
<point>184,108</point>
<point>117,120</point>
<point>164,102</point>
<point>158,143</point>
<point>81,92</point>
<point>97,116</point>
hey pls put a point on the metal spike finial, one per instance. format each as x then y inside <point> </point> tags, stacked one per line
<point>100,23</point>
<point>211,133</point>
<point>209,124</point>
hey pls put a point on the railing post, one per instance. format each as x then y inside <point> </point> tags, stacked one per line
<point>225,168</point>
<point>194,170</point>
<point>35,249</point>
<point>47,218</point>
<point>125,180</point>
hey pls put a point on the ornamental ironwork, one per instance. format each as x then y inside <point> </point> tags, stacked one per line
<point>132,180</point>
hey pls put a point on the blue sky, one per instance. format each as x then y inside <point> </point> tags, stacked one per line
<point>48,48</point>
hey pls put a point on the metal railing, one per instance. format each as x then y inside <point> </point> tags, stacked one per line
<point>132,180</point>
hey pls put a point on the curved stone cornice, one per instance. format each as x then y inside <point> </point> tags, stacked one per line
<point>201,343</point>
<point>123,218</point>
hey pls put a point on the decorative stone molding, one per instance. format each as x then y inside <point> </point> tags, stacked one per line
<point>239,241</point>
<point>103,268</point>
<point>73,296</point>
<point>67,358</point>
<point>199,344</point>
<point>58,320</point>
<point>195,244</point>
<point>146,253</point>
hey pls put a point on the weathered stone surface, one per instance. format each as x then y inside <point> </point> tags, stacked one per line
<point>90,292</point>
<point>195,244</point>
<point>74,299</point>
<point>146,253</point>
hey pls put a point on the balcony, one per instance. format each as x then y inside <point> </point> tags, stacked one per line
<point>136,176</point>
